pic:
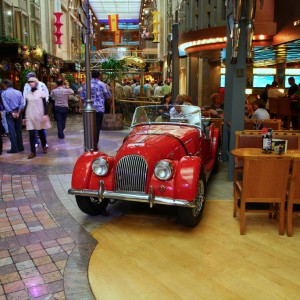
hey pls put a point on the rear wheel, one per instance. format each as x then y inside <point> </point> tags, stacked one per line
<point>91,206</point>
<point>190,217</point>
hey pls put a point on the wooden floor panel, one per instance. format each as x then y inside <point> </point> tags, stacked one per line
<point>144,255</point>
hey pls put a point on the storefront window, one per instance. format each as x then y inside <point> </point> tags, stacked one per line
<point>8,15</point>
<point>18,25</point>
<point>33,29</point>
<point>25,27</point>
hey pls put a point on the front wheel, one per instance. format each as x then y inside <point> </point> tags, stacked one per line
<point>190,217</point>
<point>91,206</point>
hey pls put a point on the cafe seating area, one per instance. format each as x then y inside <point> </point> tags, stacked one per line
<point>266,182</point>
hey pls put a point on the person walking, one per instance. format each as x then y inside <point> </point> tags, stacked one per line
<point>166,89</point>
<point>13,104</point>
<point>99,93</point>
<point>36,116</point>
<point>61,97</point>
<point>41,86</point>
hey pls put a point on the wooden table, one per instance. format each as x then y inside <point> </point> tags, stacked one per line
<point>247,152</point>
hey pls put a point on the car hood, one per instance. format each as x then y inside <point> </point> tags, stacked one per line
<point>160,141</point>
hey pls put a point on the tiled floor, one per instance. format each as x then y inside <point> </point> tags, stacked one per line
<point>44,238</point>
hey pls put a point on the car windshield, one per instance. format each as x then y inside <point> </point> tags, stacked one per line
<point>152,114</point>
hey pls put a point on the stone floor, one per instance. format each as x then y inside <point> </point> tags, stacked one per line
<point>44,238</point>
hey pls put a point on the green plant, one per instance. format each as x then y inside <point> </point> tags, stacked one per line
<point>22,77</point>
<point>112,68</point>
<point>8,39</point>
<point>70,78</point>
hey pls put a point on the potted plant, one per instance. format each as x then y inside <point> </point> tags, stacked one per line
<point>112,68</point>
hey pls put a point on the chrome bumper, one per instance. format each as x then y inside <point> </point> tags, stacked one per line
<point>151,199</point>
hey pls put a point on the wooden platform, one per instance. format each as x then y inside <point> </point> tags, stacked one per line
<point>146,255</point>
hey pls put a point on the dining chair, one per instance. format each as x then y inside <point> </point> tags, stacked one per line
<point>273,107</point>
<point>293,194</point>
<point>285,110</point>
<point>264,184</point>
<point>275,124</point>
<point>249,124</point>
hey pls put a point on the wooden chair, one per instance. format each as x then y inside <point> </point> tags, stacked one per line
<point>254,124</point>
<point>249,124</point>
<point>293,194</point>
<point>265,181</point>
<point>273,107</point>
<point>275,124</point>
<point>284,107</point>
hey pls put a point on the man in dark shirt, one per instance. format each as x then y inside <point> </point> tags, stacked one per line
<point>293,86</point>
<point>61,97</point>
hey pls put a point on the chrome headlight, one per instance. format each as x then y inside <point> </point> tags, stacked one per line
<point>163,170</point>
<point>100,166</point>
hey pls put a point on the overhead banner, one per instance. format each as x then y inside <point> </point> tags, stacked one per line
<point>118,36</point>
<point>113,22</point>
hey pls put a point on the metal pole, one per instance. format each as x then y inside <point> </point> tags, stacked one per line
<point>175,61</point>
<point>89,113</point>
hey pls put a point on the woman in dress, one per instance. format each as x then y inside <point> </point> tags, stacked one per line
<point>36,116</point>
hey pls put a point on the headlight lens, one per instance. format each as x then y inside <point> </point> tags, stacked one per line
<point>163,170</point>
<point>100,166</point>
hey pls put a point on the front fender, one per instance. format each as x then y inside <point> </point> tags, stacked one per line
<point>187,177</point>
<point>82,171</point>
<point>184,183</point>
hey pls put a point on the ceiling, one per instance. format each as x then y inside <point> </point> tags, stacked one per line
<point>127,10</point>
<point>272,55</point>
<point>287,53</point>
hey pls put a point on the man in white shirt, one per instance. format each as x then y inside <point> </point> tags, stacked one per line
<point>137,89</point>
<point>41,86</point>
<point>127,90</point>
<point>133,85</point>
<point>157,91</point>
<point>148,89</point>
<point>274,91</point>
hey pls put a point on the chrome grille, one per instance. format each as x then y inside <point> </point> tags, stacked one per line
<point>131,174</point>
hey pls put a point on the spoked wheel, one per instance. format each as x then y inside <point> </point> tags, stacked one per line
<point>91,206</point>
<point>190,217</point>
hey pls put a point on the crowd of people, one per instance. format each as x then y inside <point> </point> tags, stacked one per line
<point>30,108</point>
<point>257,106</point>
<point>132,88</point>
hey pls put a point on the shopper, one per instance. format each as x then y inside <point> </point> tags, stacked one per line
<point>13,104</point>
<point>41,86</point>
<point>61,97</point>
<point>36,116</point>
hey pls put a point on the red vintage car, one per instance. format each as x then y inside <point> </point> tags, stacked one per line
<point>166,159</point>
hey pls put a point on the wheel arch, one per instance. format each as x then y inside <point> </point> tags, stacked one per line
<point>82,171</point>
<point>187,176</point>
